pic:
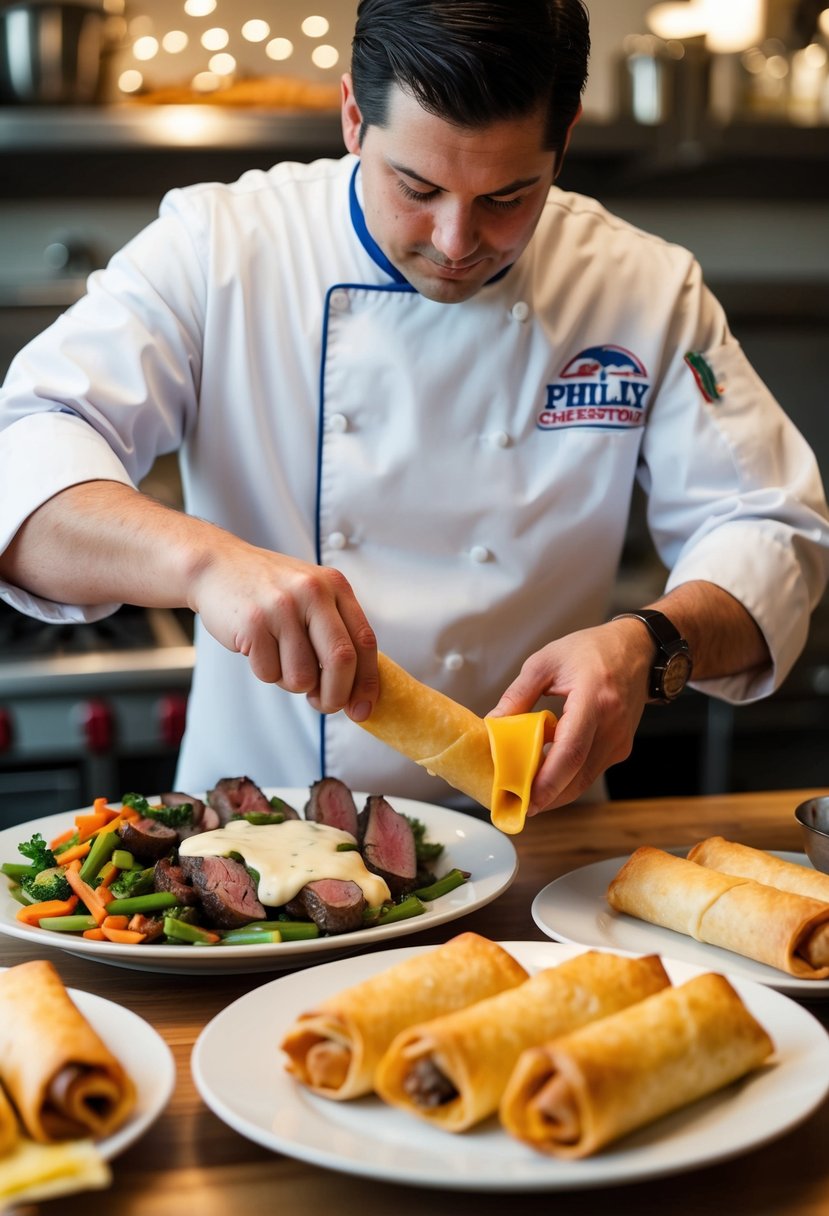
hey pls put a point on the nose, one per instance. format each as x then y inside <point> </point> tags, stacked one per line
<point>454,234</point>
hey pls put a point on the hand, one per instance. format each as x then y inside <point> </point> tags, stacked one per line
<point>299,625</point>
<point>603,675</point>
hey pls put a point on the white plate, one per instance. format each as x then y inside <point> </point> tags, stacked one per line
<point>144,1055</point>
<point>241,1076</point>
<point>573,908</point>
<point>470,844</point>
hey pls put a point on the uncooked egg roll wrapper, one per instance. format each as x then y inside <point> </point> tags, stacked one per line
<point>453,743</point>
<point>574,1095</point>
<point>335,1049</point>
<point>60,1075</point>
<point>729,857</point>
<point>783,930</point>
<point>476,1048</point>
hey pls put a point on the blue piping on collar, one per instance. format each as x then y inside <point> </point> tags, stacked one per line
<point>374,251</point>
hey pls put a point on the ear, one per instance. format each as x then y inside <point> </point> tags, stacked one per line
<point>560,156</point>
<point>350,116</point>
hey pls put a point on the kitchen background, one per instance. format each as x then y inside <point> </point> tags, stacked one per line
<point>706,121</point>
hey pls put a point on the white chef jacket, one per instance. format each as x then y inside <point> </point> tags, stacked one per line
<point>468,467</point>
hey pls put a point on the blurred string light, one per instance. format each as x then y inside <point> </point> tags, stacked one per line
<point>145,47</point>
<point>130,81</point>
<point>199,8</point>
<point>255,31</point>
<point>279,49</point>
<point>215,39</point>
<point>174,42</point>
<point>315,27</point>
<point>823,23</point>
<point>727,25</point>
<point>222,64</point>
<point>324,56</point>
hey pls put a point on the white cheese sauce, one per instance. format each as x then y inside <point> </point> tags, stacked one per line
<point>288,855</point>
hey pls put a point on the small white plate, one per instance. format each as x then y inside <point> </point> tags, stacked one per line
<point>145,1056</point>
<point>239,1071</point>
<point>573,908</point>
<point>470,844</point>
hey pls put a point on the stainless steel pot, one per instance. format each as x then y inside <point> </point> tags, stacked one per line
<point>52,53</point>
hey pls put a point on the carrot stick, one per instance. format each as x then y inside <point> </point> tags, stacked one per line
<point>124,937</point>
<point>116,922</point>
<point>59,840</point>
<point>31,914</point>
<point>85,893</point>
<point>74,852</point>
<point>88,824</point>
<point>94,935</point>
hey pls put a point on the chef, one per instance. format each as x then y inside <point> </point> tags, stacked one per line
<point>411,391</point>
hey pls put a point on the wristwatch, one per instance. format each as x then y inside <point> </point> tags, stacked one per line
<point>672,667</point>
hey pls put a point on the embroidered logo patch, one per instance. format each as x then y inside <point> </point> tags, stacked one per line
<point>603,386</point>
<point>704,376</point>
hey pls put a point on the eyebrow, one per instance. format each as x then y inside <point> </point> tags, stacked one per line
<point>518,184</point>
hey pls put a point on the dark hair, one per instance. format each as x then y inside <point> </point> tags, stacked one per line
<point>473,62</point>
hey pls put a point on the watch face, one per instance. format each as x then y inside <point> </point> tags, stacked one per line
<point>675,676</point>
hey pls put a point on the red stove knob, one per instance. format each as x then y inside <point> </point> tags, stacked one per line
<point>172,717</point>
<point>6,731</point>
<point>98,725</point>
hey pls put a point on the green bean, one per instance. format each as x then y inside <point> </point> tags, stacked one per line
<point>154,901</point>
<point>250,937</point>
<point>180,931</point>
<point>289,930</point>
<point>68,924</point>
<point>21,896</point>
<point>17,869</point>
<point>122,859</point>
<point>102,848</point>
<point>442,886</point>
<point>411,906</point>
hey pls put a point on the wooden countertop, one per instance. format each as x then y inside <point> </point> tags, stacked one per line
<point>189,1161</point>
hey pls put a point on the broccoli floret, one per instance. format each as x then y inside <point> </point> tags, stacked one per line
<point>133,882</point>
<point>172,816</point>
<point>38,852</point>
<point>425,850</point>
<point>48,884</point>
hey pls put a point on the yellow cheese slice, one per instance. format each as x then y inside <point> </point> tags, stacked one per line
<point>32,1172</point>
<point>516,743</point>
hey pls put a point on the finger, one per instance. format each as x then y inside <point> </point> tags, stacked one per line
<point>572,760</point>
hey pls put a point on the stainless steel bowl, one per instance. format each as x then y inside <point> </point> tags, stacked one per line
<point>813,817</point>
<point>52,53</point>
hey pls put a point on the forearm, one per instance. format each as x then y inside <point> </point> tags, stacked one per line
<point>723,637</point>
<point>103,542</point>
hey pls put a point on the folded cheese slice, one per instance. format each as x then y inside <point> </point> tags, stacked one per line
<point>783,930</point>
<point>492,760</point>
<point>451,1070</point>
<point>335,1048</point>
<point>9,1131</point>
<point>574,1095</point>
<point>35,1172</point>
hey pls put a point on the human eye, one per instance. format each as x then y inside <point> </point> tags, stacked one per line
<point>417,196</point>
<point>503,204</point>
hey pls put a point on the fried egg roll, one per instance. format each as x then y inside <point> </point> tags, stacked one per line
<point>452,1070</point>
<point>728,857</point>
<point>783,930</point>
<point>62,1078</point>
<point>335,1049</point>
<point>583,1090</point>
<point>453,743</point>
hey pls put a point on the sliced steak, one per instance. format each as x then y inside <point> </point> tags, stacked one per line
<point>387,844</point>
<point>170,877</point>
<point>237,796</point>
<point>147,839</point>
<point>204,819</point>
<point>226,891</point>
<point>331,802</point>
<point>335,905</point>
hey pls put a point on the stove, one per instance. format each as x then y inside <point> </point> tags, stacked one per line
<point>90,710</point>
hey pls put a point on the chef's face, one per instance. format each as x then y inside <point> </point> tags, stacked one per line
<point>449,206</point>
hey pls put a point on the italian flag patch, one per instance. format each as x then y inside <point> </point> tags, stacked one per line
<point>704,376</point>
